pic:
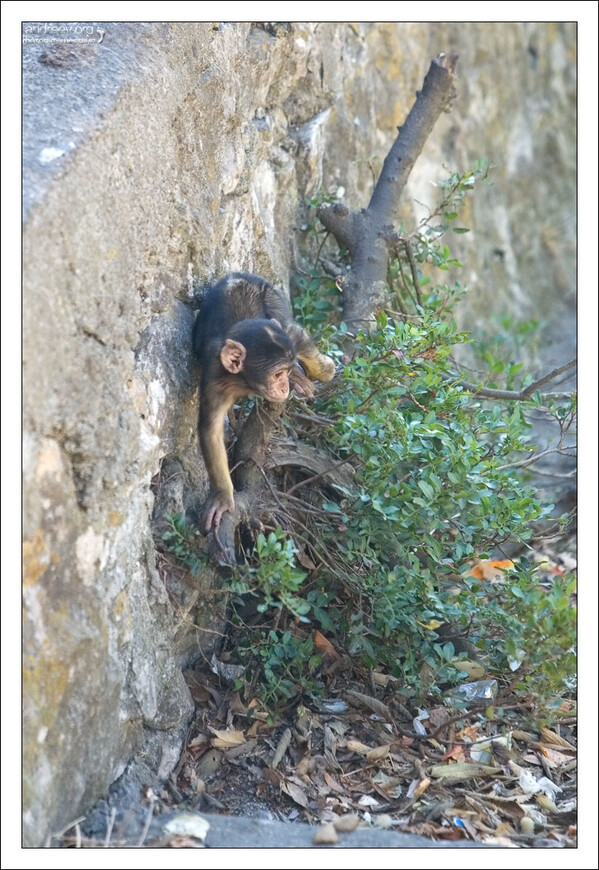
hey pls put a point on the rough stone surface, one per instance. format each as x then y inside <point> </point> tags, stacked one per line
<point>154,162</point>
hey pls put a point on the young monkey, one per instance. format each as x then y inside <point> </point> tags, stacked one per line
<point>248,344</point>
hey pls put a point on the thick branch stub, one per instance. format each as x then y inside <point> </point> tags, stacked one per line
<point>448,61</point>
<point>339,220</point>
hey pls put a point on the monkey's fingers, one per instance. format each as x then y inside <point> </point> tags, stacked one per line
<point>214,510</point>
<point>301,384</point>
<point>211,519</point>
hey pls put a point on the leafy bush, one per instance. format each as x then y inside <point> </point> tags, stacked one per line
<point>434,489</point>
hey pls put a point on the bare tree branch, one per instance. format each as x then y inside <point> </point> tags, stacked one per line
<point>520,395</point>
<point>365,233</point>
<point>532,459</point>
<point>569,476</point>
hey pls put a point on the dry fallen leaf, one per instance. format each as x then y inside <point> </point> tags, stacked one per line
<point>457,772</point>
<point>295,793</point>
<point>438,716</point>
<point>383,679</point>
<point>525,736</point>
<point>226,739</point>
<point>456,752</point>
<point>507,806</point>
<point>504,829</point>
<point>372,703</point>
<point>305,561</point>
<point>333,784</point>
<point>281,748</point>
<point>367,801</point>
<point>554,739</point>
<point>325,646</point>
<point>273,777</point>
<point>474,670</point>
<point>241,750</point>
<point>546,803</point>
<point>421,788</point>
<point>487,569</point>
<point>378,753</point>
<point>552,756</point>
<point>360,748</point>
<point>470,732</point>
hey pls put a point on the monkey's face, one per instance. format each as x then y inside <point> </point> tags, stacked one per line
<point>276,385</point>
<point>261,355</point>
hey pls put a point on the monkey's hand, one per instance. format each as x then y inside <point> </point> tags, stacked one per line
<point>217,504</point>
<point>302,385</point>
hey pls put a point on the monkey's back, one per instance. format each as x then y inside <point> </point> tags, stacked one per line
<point>238,296</point>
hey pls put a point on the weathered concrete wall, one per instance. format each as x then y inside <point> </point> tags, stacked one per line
<point>156,160</point>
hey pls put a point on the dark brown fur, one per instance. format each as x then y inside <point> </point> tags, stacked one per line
<point>248,344</point>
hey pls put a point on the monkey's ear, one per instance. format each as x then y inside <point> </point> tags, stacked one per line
<point>233,356</point>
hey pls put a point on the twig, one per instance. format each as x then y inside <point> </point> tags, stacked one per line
<point>304,506</point>
<point>405,285</point>
<point>63,831</point>
<point>395,314</point>
<point>532,459</point>
<point>317,476</point>
<point>549,377</point>
<point>518,395</point>
<point>312,418</point>
<point>564,426</point>
<point>326,235</point>
<point>569,476</point>
<point>144,833</point>
<point>269,485</point>
<point>417,403</point>
<point>109,827</point>
<point>414,269</point>
<point>367,400</point>
<point>474,708</point>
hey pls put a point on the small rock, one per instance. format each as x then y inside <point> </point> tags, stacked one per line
<point>188,825</point>
<point>383,821</point>
<point>346,823</point>
<point>326,834</point>
<point>527,826</point>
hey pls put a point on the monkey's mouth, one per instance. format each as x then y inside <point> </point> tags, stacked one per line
<point>278,395</point>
